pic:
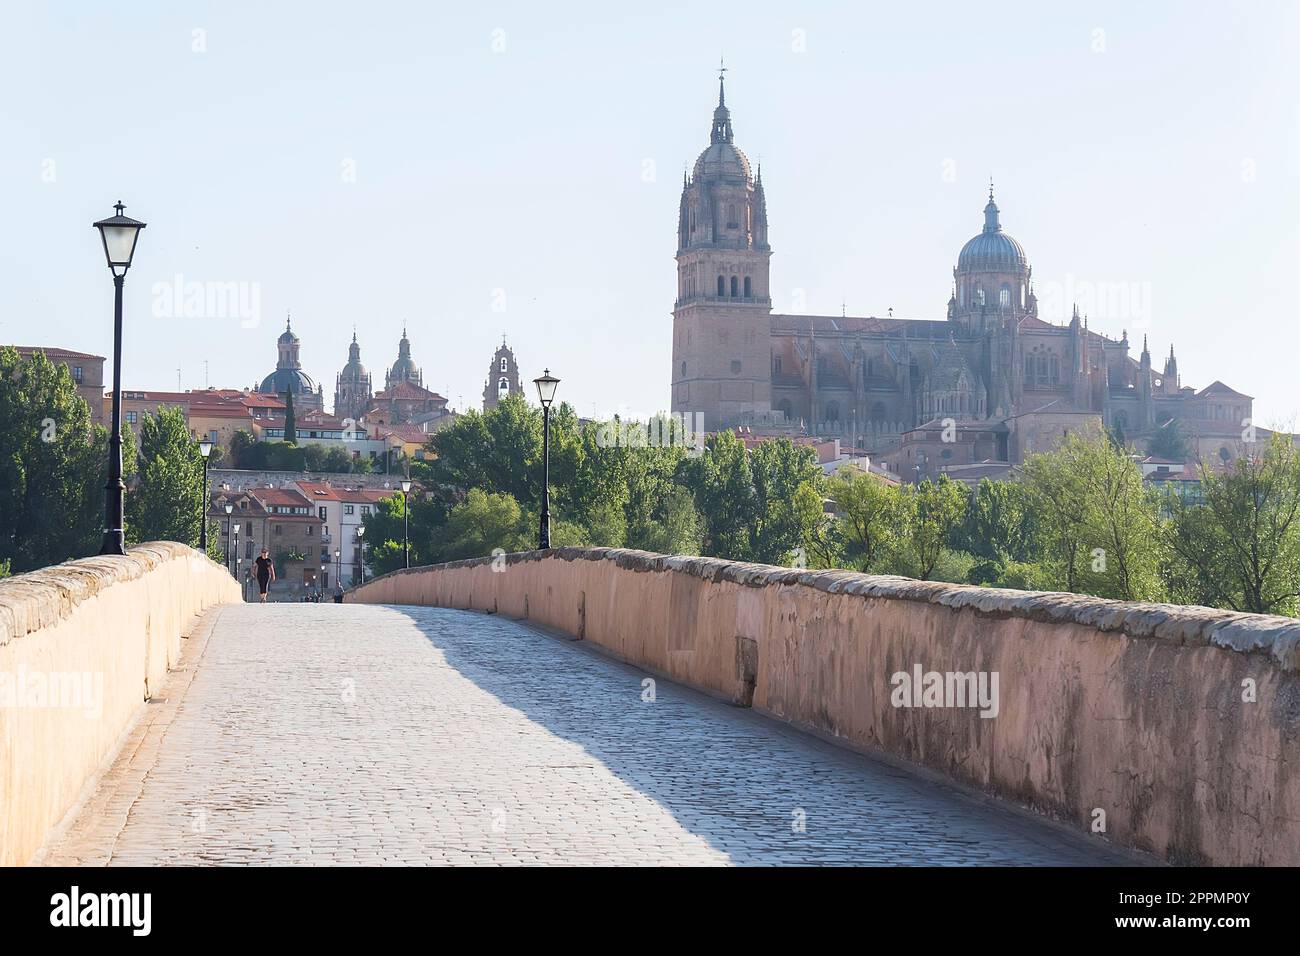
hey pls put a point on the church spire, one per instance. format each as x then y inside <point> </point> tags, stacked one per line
<point>991,222</point>
<point>721,116</point>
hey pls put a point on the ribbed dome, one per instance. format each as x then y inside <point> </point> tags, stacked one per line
<point>992,250</point>
<point>287,380</point>
<point>722,161</point>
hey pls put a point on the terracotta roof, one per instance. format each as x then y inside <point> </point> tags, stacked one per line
<point>290,497</point>
<point>407,390</point>
<point>407,433</point>
<point>318,491</point>
<point>52,352</point>
<point>219,411</point>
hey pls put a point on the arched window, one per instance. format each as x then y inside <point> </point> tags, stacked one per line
<point>784,407</point>
<point>504,368</point>
<point>732,221</point>
<point>722,286</point>
<point>832,411</point>
<point>503,386</point>
<point>1004,297</point>
<point>735,287</point>
<point>683,370</point>
<point>748,288</point>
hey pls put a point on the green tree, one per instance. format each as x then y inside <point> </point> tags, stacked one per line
<point>785,499</point>
<point>290,421</point>
<point>871,515</point>
<point>53,465</point>
<point>1240,549</point>
<point>166,501</point>
<point>1171,442</point>
<point>676,527</point>
<point>999,523</point>
<point>723,486</point>
<point>242,446</point>
<point>483,522</point>
<point>933,510</point>
<point>1100,524</point>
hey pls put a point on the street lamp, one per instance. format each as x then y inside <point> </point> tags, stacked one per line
<point>406,522</point>
<point>546,394</point>
<point>361,551</point>
<point>235,570</point>
<point>338,564</point>
<point>119,234</point>
<point>229,508</point>
<point>205,449</point>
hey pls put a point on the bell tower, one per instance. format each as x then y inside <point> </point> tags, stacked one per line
<point>722,354</point>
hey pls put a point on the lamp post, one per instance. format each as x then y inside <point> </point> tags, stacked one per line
<point>205,449</point>
<point>546,394</point>
<point>228,509</point>
<point>361,551</point>
<point>338,566</point>
<point>119,234</point>
<point>235,570</point>
<point>406,522</point>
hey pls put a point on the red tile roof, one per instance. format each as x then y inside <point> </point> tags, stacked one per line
<point>52,352</point>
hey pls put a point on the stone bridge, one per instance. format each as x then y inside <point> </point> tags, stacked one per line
<point>599,706</point>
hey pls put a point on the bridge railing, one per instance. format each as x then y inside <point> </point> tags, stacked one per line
<point>1165,728</point>
<point>82,645</point>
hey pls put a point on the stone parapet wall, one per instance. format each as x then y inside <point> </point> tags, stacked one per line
<point>1177,727</point>
<point>82,646</point>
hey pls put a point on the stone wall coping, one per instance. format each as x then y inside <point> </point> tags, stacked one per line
<point>39,599</point>
<point>1185,625</point>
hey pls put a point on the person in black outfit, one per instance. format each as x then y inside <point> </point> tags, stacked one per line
<point>265,572</point>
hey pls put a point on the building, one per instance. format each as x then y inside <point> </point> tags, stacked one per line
<point>870,380</point>
<point>352,391</point>
<point>87,373</point>
<point>289,378</point>
<point>285,522</point>
<point>502,378</point>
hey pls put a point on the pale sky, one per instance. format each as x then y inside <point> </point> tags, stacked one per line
<point>515,168</point>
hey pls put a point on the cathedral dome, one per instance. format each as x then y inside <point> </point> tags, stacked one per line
<point>722,161</point>
<point>287,380</point>
<point>992,250</point>
<point>354,370</point>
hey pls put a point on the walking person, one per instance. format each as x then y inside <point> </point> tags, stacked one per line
<point>265,572</point>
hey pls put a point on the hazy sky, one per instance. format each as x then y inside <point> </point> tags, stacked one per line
<point>478,169</point>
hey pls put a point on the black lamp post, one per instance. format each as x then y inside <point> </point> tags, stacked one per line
<point>205,449</point>
<point>119,234</point>
<point>406,522</point>
<point>546,394</point>
<point>229,523</point>
<point>235,533</point>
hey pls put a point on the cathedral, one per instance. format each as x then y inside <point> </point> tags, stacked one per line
<point>1006,380</point>
<point>403,400</point>
<point>289,378</point>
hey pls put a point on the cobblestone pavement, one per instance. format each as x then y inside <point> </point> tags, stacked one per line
<point>352,734</point>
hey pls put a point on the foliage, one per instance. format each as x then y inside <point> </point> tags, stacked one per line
<point>167,500</point>
<point>1170,442</point>
<point>248,453</point>
<point>53,465</point>
<point>871,517</point>
<point>1241,548</point>
<point>932,511</point>
<point>290,420</point>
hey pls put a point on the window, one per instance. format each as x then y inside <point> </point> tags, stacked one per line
<point>76,373</point>
<point>322,511</point>
<point>776,365</point>
<point>683,370</point>
<point>722,287</point>
<point>365,509</point>
<point>734,287</point>
<point>275,530</point>
<point>735,366</point>
<point>131,417</point>
<point>212,435</point>
<point>1004,297</point>
<point>503,364</point>
<point>311,529</point>
<point>748,288</point>
<point>832,411</point>
<point>348,509</point>
<point>503,386</point>
<point>308,551</point>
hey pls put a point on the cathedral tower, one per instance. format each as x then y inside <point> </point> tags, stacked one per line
<point>352,391</point>
<point>722,357</point>
<point>503,378</point>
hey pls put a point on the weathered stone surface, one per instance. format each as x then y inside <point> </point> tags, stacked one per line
<point>1135,709</point>
<point>107,628</point>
